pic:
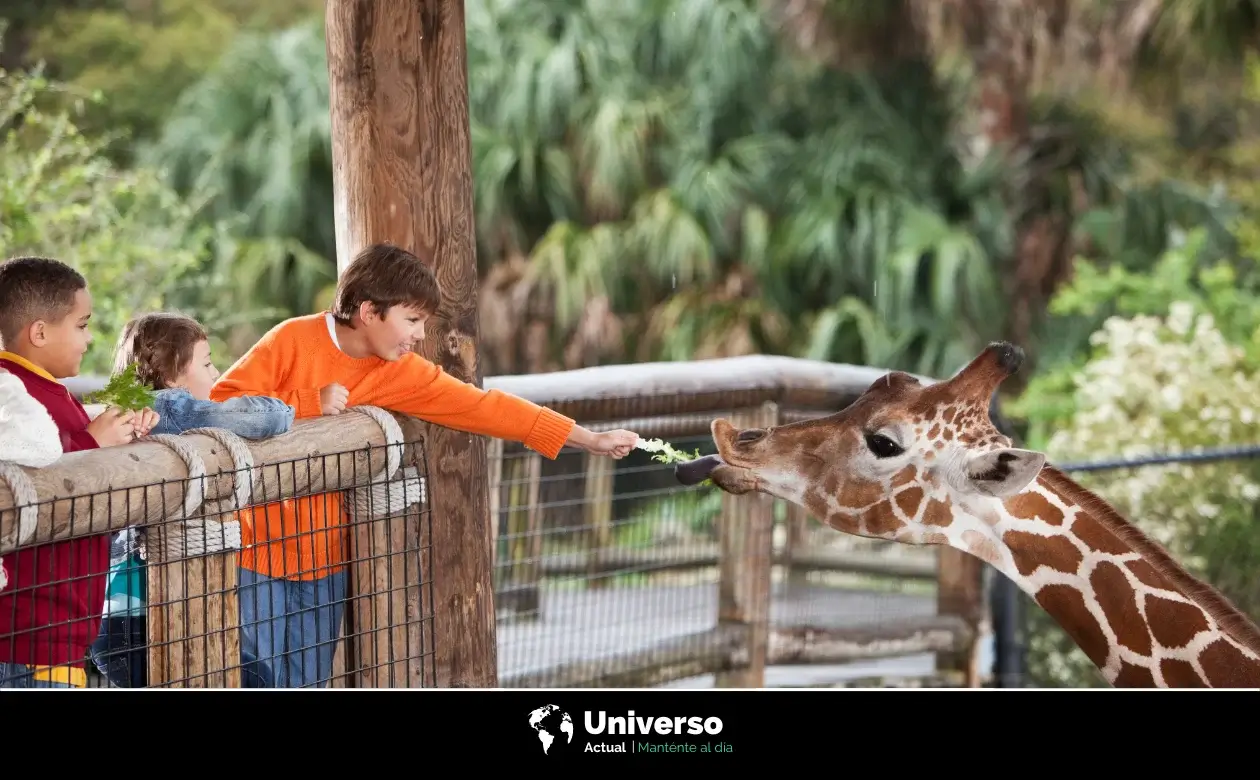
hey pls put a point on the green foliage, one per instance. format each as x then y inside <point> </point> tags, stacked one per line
<point>724,193</point>
<point>665,452</point>
<point>1161,384</point>
<point>253,134</point>
<point>59,196</point>
<point>140,59</point>
<point>1185,274</point>
<point>141,56</point>
<point>125,392</point>
<point>676,162</point>
<point>683,517</point>
<point>140,246</point>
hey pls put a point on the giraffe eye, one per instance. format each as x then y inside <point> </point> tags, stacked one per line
<point>752,434</point>
<point>882,446</point>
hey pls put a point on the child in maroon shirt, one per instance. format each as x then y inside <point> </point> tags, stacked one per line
<point>51,610</point>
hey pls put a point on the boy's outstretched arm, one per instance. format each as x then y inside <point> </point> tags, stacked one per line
<point>420,388</point>
<point>616,443</point>
<point>259,372</point>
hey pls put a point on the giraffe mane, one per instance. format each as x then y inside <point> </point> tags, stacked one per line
<point>1232,620</point>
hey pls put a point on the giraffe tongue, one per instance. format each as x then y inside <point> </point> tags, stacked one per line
<point>693,472</point>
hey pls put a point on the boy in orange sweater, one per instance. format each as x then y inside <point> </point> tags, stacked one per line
<point>292,565</point>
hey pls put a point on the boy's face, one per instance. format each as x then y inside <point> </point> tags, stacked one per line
<point>59,347</point>
<point>395,334</point>
<point>200,374</point>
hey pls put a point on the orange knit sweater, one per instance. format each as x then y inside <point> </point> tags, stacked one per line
<point>302,539</point>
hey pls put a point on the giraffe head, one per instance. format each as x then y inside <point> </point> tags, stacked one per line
<point>894,464</point>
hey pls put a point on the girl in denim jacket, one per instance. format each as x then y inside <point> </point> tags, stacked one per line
<point>171,353</point>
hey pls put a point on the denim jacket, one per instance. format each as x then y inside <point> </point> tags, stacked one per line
<point>248,416</point>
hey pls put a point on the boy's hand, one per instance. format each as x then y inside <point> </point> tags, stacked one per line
<point>113,427</point>
<point>616,444</point>
<point>145,421</point>
<point>332,399</point>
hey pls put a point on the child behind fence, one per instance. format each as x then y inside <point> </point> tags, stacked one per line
<point>28,435</point>
<point>171,354</point>
<point>48,612</point>
<point>294,567</point>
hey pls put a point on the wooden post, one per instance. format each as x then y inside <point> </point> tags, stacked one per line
<point>597,511</point>
<point>519,583</point>
<point>960,591</point>
<point>401,155</point>
<point>532,576</point>
<point>494,463</point>
<point>745,562</point>
<point>796,545</point>
<point>343,655</point>
<point>385,546</point>
<point>193,614</point>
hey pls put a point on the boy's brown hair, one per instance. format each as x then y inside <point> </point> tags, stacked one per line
<point>160,344</point>
<point>35,288</point>
<point>385,275</point>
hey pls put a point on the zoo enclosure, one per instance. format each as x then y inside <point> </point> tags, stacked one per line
<point>605,573</point>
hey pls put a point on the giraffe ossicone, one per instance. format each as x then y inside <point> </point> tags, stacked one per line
<point>923,464</point>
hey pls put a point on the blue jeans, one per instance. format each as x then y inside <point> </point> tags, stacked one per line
<point>121,651</point>
<point>19,676</point>
<point>289,629</point>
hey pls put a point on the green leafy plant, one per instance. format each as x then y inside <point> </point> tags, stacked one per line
<point>125,392</point>
<point>665,453</point>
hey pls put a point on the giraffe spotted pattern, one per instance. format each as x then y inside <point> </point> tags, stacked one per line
<point>924,465</point>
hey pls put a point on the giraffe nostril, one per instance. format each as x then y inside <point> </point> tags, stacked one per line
<point>1009,356</point>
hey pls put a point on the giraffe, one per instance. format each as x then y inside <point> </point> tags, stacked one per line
<point>923,465</point>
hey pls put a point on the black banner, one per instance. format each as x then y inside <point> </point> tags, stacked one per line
<point>611,727</point>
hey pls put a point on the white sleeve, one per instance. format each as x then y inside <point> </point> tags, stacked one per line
<point>28,435</point>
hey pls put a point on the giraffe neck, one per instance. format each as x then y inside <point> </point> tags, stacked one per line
<point>1138,615</point>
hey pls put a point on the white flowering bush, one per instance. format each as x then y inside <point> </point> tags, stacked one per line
<point>1160,386</point>
<point>1156,386</point>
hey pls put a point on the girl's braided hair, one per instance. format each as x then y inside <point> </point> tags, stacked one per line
<point>160,345</point>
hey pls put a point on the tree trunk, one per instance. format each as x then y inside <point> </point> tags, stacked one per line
<point>401,168</point>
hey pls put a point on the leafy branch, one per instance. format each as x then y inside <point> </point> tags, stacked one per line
<point>125,392</point>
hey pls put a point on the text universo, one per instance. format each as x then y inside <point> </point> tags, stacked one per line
<point>634,724</point>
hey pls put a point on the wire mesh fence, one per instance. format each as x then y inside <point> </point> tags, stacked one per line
<point>596,565</point>
<point>617,575</point>
<point>310,571</point>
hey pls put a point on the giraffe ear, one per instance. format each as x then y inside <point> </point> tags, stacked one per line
<point>1005,472</point>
